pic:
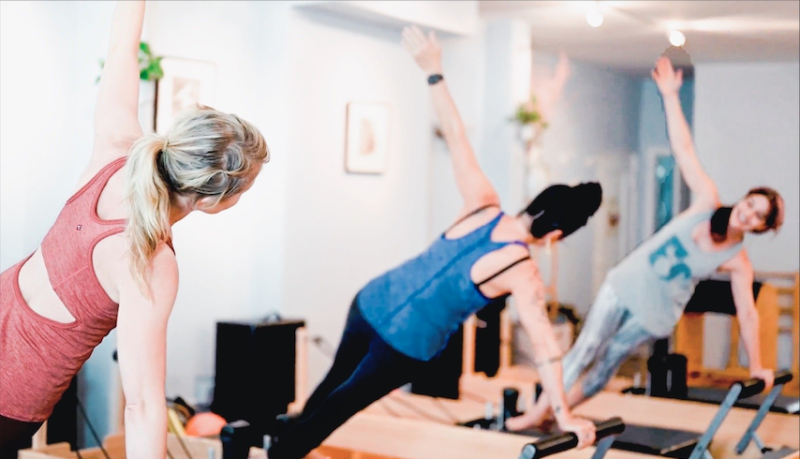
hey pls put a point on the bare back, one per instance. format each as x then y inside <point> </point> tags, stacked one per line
<point>108,256</point>
<point>507,230</point>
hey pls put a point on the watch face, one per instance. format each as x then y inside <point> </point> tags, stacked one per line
<point>433,79</point>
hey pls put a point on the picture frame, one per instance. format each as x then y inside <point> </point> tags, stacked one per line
<point>367,137</point>
<point>186,83</point>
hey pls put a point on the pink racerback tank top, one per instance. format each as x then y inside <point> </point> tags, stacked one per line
<point>39,356</point>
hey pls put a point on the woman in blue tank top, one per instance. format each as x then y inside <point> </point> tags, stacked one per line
<point>643,296</point>
<point>402,319</point>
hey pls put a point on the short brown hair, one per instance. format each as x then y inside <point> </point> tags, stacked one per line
<point>774,218</point>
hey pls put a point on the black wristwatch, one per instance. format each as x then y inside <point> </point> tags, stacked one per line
<point>435,78</point>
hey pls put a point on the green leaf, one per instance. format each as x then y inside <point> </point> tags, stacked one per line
<point>149,65</point>
<point>145,48</point>
<point>157,73</point>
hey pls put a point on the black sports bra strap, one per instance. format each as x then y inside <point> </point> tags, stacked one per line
<point>487,206</point>
<point>526,257</point>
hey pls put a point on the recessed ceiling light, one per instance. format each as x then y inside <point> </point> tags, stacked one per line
<point>594,18</point>
<point>677,38</point>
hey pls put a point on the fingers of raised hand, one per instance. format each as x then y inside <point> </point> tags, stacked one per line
<point>411,33</point>
<point>417,33</point>
<point>432,39</point>
<point>410,45</point>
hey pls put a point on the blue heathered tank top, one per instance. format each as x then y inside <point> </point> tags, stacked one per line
<point>657,279</point>
<point>418,305</point>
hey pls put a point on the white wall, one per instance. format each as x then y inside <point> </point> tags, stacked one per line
<point>592,133</point>
<point>747,131</point>
<point>344,229</point>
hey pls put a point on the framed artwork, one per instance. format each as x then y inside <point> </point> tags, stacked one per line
<point>186,83</point>
<point>367,141</point>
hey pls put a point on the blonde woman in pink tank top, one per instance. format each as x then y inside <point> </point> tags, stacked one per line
<point>108,262</point>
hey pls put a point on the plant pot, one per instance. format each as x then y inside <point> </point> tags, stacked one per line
<point>147,105</point>
<point>526,132</point>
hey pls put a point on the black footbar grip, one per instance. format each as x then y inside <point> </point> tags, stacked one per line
<point>783,377</point>
<point>566,441</point>
<point>510,400</point>
<point>755,386</point>
<point>750,387</point>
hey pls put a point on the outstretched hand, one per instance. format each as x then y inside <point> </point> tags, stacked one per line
<point>667,79</point>
<point>548,90</point>
<point>424,49</point>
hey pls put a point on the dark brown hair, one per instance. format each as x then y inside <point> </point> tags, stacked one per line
<point>563,207</point>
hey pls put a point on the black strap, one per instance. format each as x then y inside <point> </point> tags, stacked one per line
<point>487,206</point>
<point>526,257</point>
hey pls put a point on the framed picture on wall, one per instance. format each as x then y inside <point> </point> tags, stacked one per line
<point>186,83</point>
<point>367,141</point>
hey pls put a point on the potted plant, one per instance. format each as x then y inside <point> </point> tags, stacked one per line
<point>530,120</point>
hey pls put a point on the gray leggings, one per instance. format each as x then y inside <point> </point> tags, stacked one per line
<point>608,336</point>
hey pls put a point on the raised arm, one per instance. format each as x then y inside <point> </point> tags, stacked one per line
<point>528,292</point>
<point>142,344</point>
<point>747,315</point>
<point>680,137</point>
<point>116,123</point>
<point>474,186</point>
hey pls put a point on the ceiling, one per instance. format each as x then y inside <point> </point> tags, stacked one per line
<point>634,33</point>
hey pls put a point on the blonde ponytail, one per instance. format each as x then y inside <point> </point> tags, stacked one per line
<point>148,200</point>
<point>205,154</point>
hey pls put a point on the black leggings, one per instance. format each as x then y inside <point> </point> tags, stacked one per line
<point>364,370</point>
<point>15,435</point>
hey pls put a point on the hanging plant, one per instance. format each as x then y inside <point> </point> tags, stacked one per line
<point>528,115</point>
<point>149,65</point>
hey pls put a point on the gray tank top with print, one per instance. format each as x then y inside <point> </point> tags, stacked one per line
<point>656,280</point>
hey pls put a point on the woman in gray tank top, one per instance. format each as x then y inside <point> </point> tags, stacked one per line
<point>643,296</point>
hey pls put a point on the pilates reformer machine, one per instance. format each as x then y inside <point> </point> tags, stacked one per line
<point>672,442</point>
<point>607,432</point>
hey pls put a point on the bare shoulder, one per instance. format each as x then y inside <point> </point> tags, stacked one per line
<point>164,271</point>
<point>470,218</point>
<point>163,276</point>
